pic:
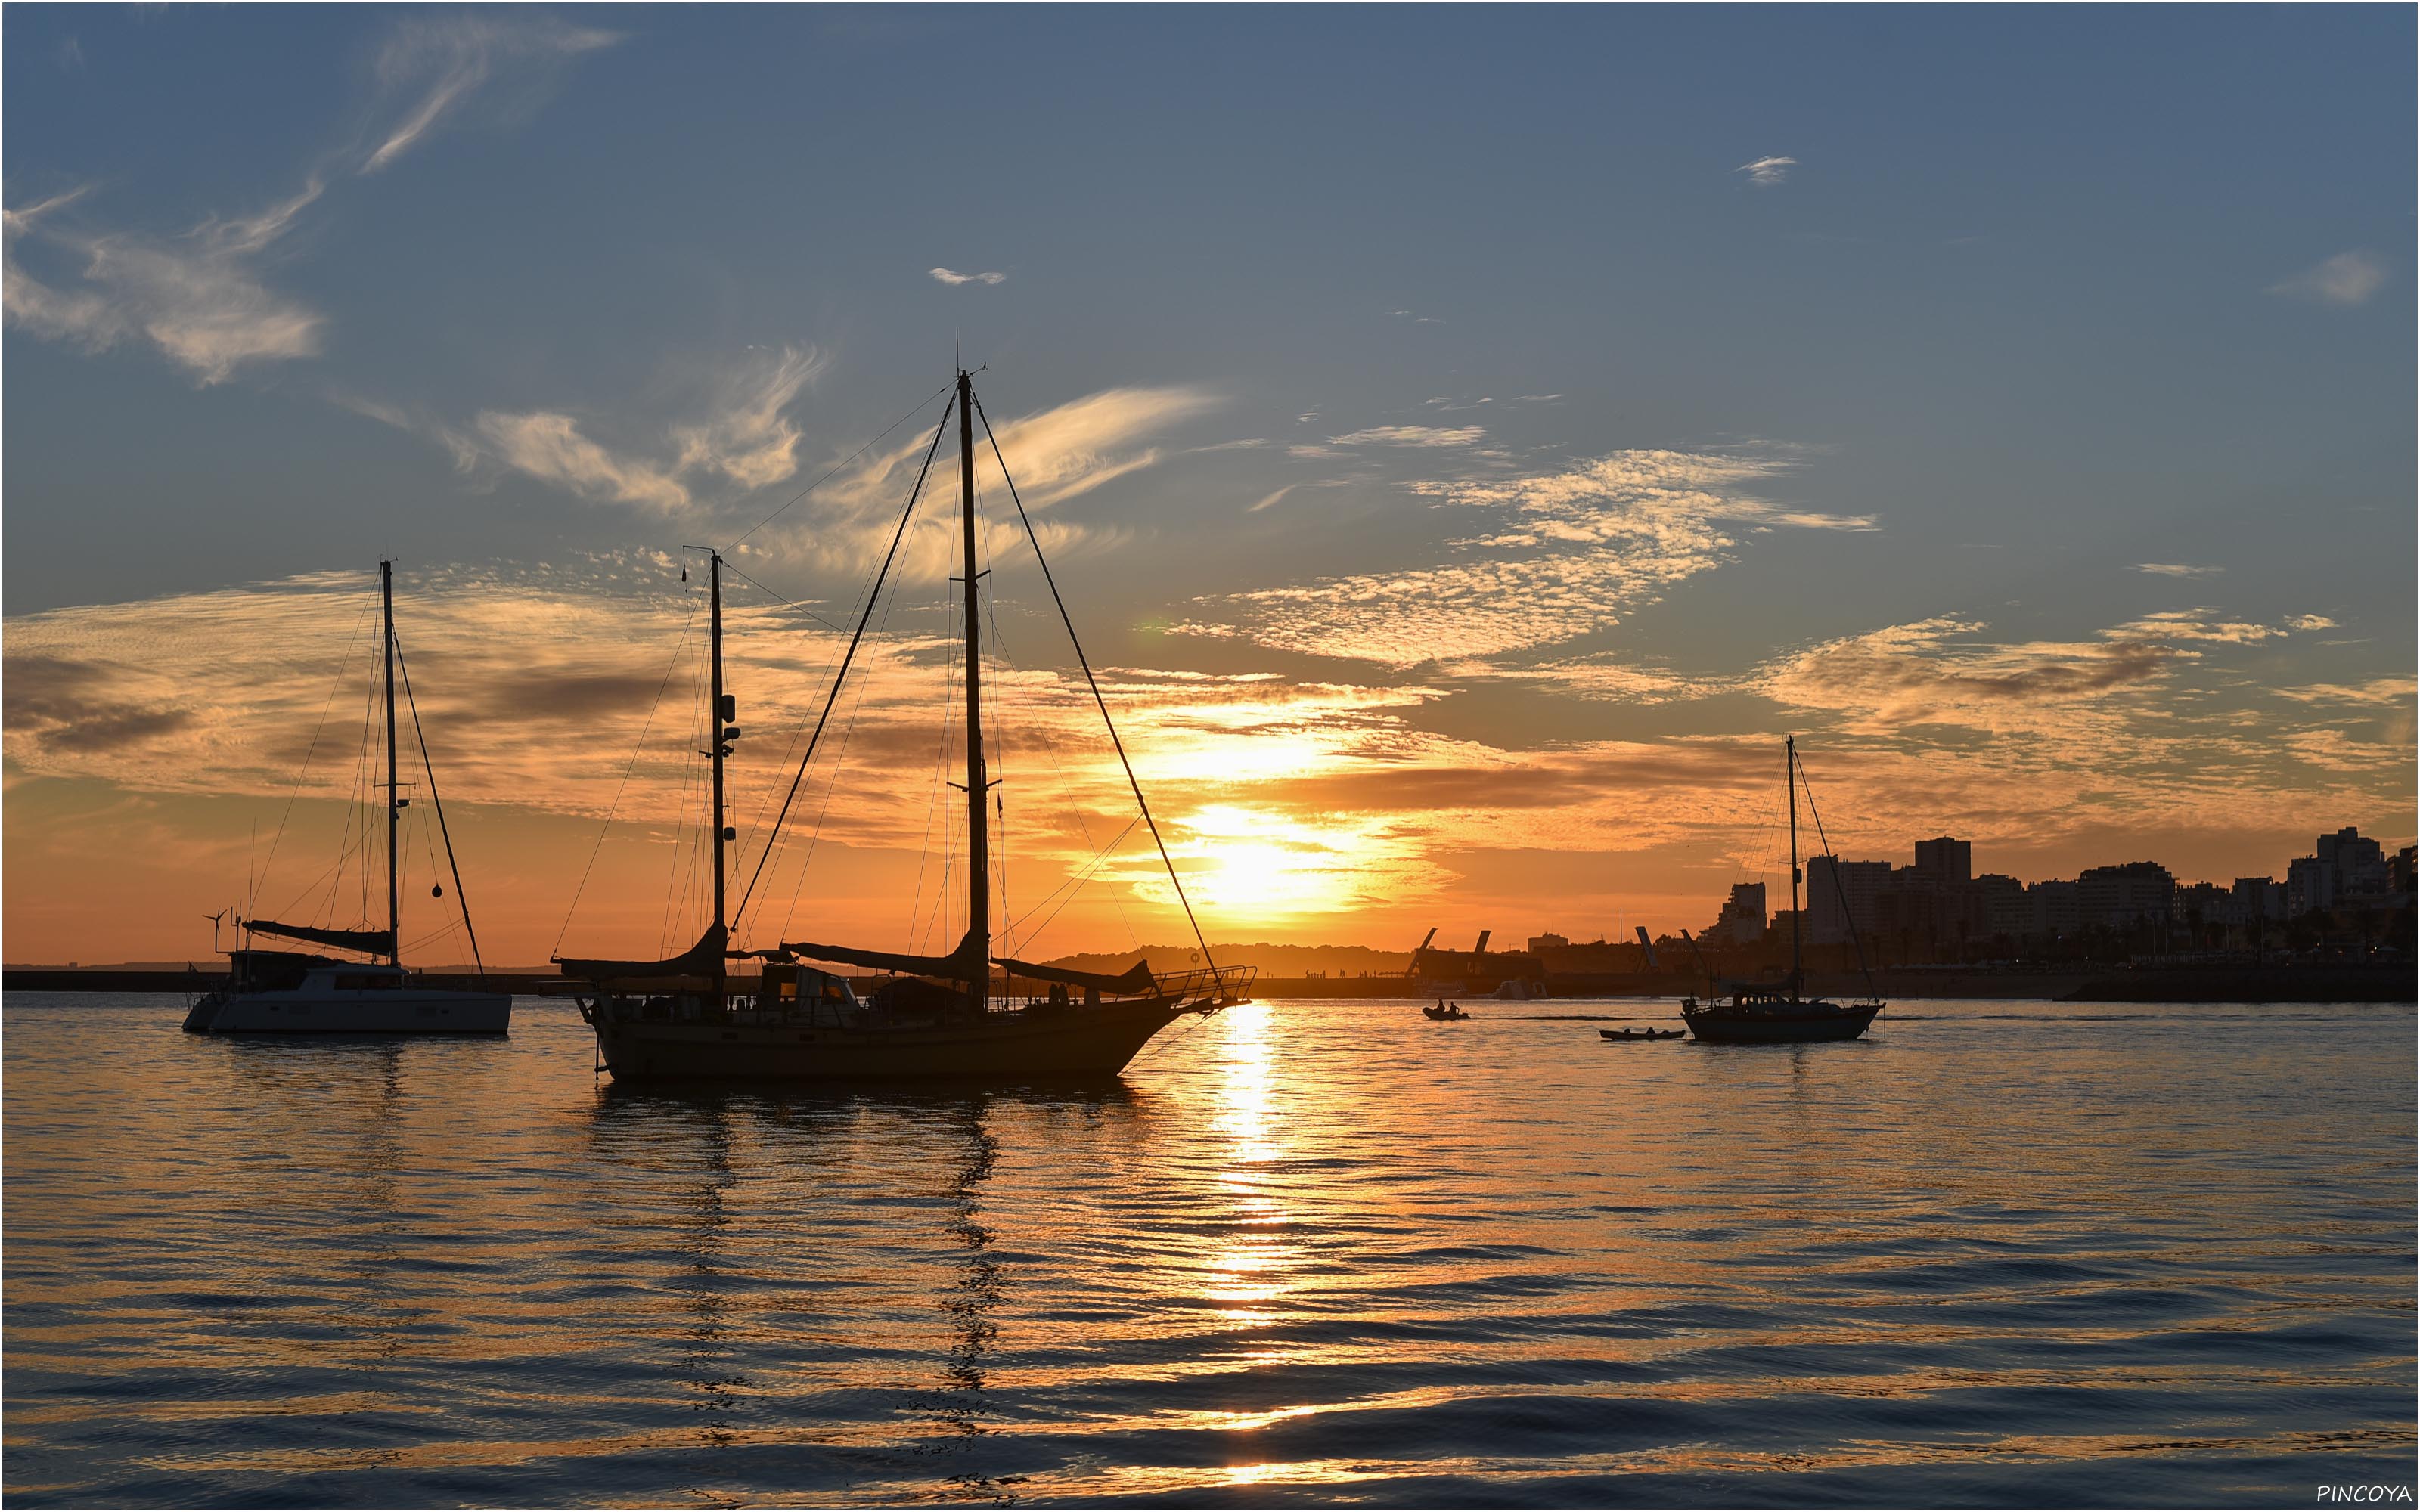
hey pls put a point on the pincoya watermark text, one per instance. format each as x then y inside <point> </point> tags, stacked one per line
<point>2367,1495</point>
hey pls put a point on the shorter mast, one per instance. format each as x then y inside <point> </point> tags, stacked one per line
<point>718,732</point>
<point>393,798</point>
<point>1789,782</point>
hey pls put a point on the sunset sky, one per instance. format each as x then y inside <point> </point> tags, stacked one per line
<point>1468,440</point>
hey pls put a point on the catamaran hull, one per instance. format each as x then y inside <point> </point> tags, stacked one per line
<point>368,1012</point>
<point>1779,1028</point>
<point>1077,1044</point>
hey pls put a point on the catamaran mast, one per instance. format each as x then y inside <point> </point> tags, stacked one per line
<point>978,791</point>
<point>716,726</point>
<point>393,798</point>
<point>1790,777</point>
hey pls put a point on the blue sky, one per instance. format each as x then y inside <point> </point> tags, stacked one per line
<point>2033,301</point>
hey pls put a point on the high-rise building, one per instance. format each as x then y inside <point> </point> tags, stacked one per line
<point>2359,864</point>
<point>1945,860</point>
<point>1742,921</point>
<point>2259,897</point>
<point>1548,941</point>
<point>2005,908</point>
<point>2056,907</point>
<point>2310,885</point>
<point>2206,905</point>
<point>1839,893</point>
<point>2118,897</point>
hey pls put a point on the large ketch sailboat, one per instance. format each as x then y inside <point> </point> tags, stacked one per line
<point>688,1017</point>
<point>1780,1013</point>
<point>294,991</point>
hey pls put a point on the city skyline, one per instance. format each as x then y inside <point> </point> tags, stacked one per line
<point>1461,503</point>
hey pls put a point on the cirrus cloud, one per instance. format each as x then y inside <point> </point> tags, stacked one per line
<point>1765,173</point>
<point>2348,278</point>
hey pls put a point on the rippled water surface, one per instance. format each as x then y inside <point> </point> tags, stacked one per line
<point>1995,1253</point>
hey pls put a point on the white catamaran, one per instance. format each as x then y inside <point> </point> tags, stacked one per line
<point>294,991</point>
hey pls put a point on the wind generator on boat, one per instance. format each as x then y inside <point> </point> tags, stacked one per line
<point>686,1018</point>
<point>1780,1013</point>
<point>294,991</point>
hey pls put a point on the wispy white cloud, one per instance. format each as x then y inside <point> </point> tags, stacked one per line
<point>1271,498</point>
<point>200,295</point>
<point>748,438</point>
<point>1764,173</point>
<point>1412,436</point>
<point>549,447</point>
<point>739,432</point>
<point>1055,454</point>
<point>1572,553</point>
<point>2175,569</point>
<point>432,66</point>
<point>945,277</point>
<point>2348,278</point>
<point>1946,670</point>
<point>2378,692</point>
<point>196,297</point>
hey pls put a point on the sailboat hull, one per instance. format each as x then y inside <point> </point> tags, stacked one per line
<point>1076,1043</point>
<point>353,1012</point>
<point>1779,1022</point>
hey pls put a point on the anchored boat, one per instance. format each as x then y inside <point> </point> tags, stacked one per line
<point>295,992</point>
<point>942,1017</point>
<point>1779,1014</point>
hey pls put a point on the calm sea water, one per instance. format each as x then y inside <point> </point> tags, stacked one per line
<point>1998,1253</point>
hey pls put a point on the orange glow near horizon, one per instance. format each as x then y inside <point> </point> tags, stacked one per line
<point>1296,810</point>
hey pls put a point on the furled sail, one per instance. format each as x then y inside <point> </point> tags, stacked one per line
<point>704,959</point>
<point>1133,981</point>
<point>375,941</point>
<point>965,963</point>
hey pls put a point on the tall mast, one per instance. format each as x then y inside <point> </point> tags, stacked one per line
<point>393,798</point>
<point>716,726</point>
<point>1790,779</point>
<point>978,791</point>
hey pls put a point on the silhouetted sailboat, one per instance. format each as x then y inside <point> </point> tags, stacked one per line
<point>685,1017</point>
<point>1780,1013</point>
<point>292,991</point>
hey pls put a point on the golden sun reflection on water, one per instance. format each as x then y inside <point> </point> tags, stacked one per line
<point>1249,1264</point>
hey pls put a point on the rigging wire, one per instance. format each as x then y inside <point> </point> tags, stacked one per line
<point>1093,683</point>
<point>846,460</point>
<point>833,695</point>
<point>997,759</point>
<point>831,784</point>
<point>798,728</point>
<point>933,790</point>
<point>461,899</point>
<point>1854,938</point>
<point>734,568</point>
<point>677,889</point>
<point>639,745</point>
<point>1075,884</point>
<point>252,903</point>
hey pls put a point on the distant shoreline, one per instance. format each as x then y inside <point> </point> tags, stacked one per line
<point>2396,982</point>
